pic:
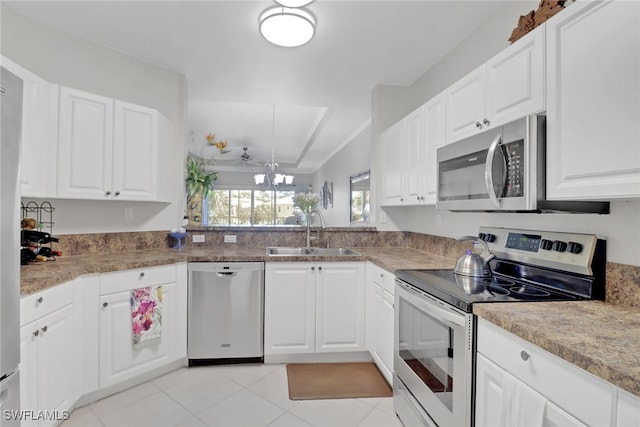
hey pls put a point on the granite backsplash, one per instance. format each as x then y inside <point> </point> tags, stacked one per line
<point>623,281</point>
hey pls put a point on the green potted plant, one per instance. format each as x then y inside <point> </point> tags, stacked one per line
<point>199,181</point>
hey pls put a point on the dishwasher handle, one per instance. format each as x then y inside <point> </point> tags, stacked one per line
<point>226,273</point>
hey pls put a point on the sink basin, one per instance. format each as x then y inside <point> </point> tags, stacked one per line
<point>290,251</point>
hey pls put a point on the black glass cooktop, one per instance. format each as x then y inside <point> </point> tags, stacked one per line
<point>463,291</point>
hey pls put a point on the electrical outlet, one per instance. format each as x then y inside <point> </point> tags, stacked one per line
<point>128,214</point>
<point>229,238</point>
<point>197,238</point>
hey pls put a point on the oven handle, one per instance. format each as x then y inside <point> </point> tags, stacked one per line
<point>488,168</point>
<point>430,304</point>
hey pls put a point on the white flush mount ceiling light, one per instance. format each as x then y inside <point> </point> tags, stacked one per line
<point>287,27</point>
<point>293,3</point>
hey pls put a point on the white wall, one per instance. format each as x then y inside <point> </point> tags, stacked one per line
<point>351,159</point>
<point>71,61</point>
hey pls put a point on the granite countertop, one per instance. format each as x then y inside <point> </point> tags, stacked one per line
<point>599,337</point>
<point>42,275</point>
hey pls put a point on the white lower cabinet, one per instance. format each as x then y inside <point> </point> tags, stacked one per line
<point>570,396</point>
<point>628,414</point>
<point>379,318</point>
<point>47,349</point>
<point>314,307</point>
<point>120,360</point>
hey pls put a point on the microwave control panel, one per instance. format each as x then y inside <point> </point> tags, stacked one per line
<point>514,156</point>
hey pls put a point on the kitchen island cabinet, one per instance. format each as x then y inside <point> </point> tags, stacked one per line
<point>593,93</point>
<point>313,307</point>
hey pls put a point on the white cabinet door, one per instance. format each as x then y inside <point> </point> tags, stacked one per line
<point>39,133</point>
<point>434,113</point>
<point>379,327</point>
<point>514,80</point>
<point>135,152</point>
<point>507,87</point>
<point>340,313</point>
<point>593,112</point>
<point>628,409</point>
<point>119,360</point>
<point>85,145</point>
<point>46,367</point>
<point>414,151</point>
<point>497,405</point>
<point>385,342</point>
<point>465,106</point>
<point>393,165</point>
<point>290,301</point>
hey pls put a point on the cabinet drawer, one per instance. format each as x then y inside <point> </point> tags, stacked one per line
<point>137,278</point>
<point>580,393</point>
<point>42,303</point>
<point>381,276</point>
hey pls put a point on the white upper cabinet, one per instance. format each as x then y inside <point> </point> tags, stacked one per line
<point>107,149</point>
<point>393,161</point>
<point>507,87</point>
<point>135,151</point>
<point>85,145</point>
<point>39,121</point>
<point>593,93</point>
<point>434,113</point>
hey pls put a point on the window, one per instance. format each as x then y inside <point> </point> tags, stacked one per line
<point>250,207</point>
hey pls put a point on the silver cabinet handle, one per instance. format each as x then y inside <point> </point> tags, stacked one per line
<point>44,329</point>
<point>117,193</point>
<point>108,193</point>
<point>486,122</point>
<point>39,300</point>
<point>313,268</point>
<point>105,304</point>
<point>319,268</point>
<point>524,355</point>
<point>36,333</point>
<point>479,125</point>
<point>141,274</point>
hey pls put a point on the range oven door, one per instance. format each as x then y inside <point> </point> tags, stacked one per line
<point>433,356</point>
<point>493,170</point>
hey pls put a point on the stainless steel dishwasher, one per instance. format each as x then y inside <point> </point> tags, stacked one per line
<point>226,312</point>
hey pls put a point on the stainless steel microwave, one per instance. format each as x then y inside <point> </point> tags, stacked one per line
<point>502,169</point>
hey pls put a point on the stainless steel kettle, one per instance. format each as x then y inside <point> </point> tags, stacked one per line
<point>472,264</point>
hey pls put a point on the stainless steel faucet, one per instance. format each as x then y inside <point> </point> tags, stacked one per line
<point>309,215</point>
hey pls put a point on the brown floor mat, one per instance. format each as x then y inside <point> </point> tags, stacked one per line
<point>308,381</point>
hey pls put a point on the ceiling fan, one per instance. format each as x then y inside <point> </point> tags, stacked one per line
<point>245,159</point>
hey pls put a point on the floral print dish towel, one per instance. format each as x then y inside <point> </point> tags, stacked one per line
<point>146,316</point>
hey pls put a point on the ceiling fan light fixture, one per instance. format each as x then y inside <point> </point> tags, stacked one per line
<point>287,27</point>
<point>293,3</point>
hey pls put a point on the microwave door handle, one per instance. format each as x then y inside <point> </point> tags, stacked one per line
<point>488,167</point>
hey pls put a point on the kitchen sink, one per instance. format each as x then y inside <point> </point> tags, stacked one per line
<point>291,251</point>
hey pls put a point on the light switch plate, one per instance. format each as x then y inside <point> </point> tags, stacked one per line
<point>197,238</point>
<point>229,238</point>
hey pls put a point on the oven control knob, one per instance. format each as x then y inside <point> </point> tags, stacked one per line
<point>490,238</point>
<point>547,245</point>
<point>559,246</point>
<point>481,236</point>
<point>574,248</point>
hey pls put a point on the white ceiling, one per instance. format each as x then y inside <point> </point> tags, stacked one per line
<point>321,91</point>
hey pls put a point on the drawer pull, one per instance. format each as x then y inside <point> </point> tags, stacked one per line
<point>36,333</point>
<point>142,274</point>
<point>39,300</point>
<point>105,304</point>
<point>524,355</point>
<point>44,329</point>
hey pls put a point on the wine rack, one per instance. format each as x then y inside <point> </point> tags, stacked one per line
<point>38,216</point>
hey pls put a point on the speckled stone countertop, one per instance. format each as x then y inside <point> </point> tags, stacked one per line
<point>39,276</point>
<point>597,336</point>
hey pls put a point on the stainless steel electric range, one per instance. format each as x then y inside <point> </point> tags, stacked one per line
<point>434,351</point>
